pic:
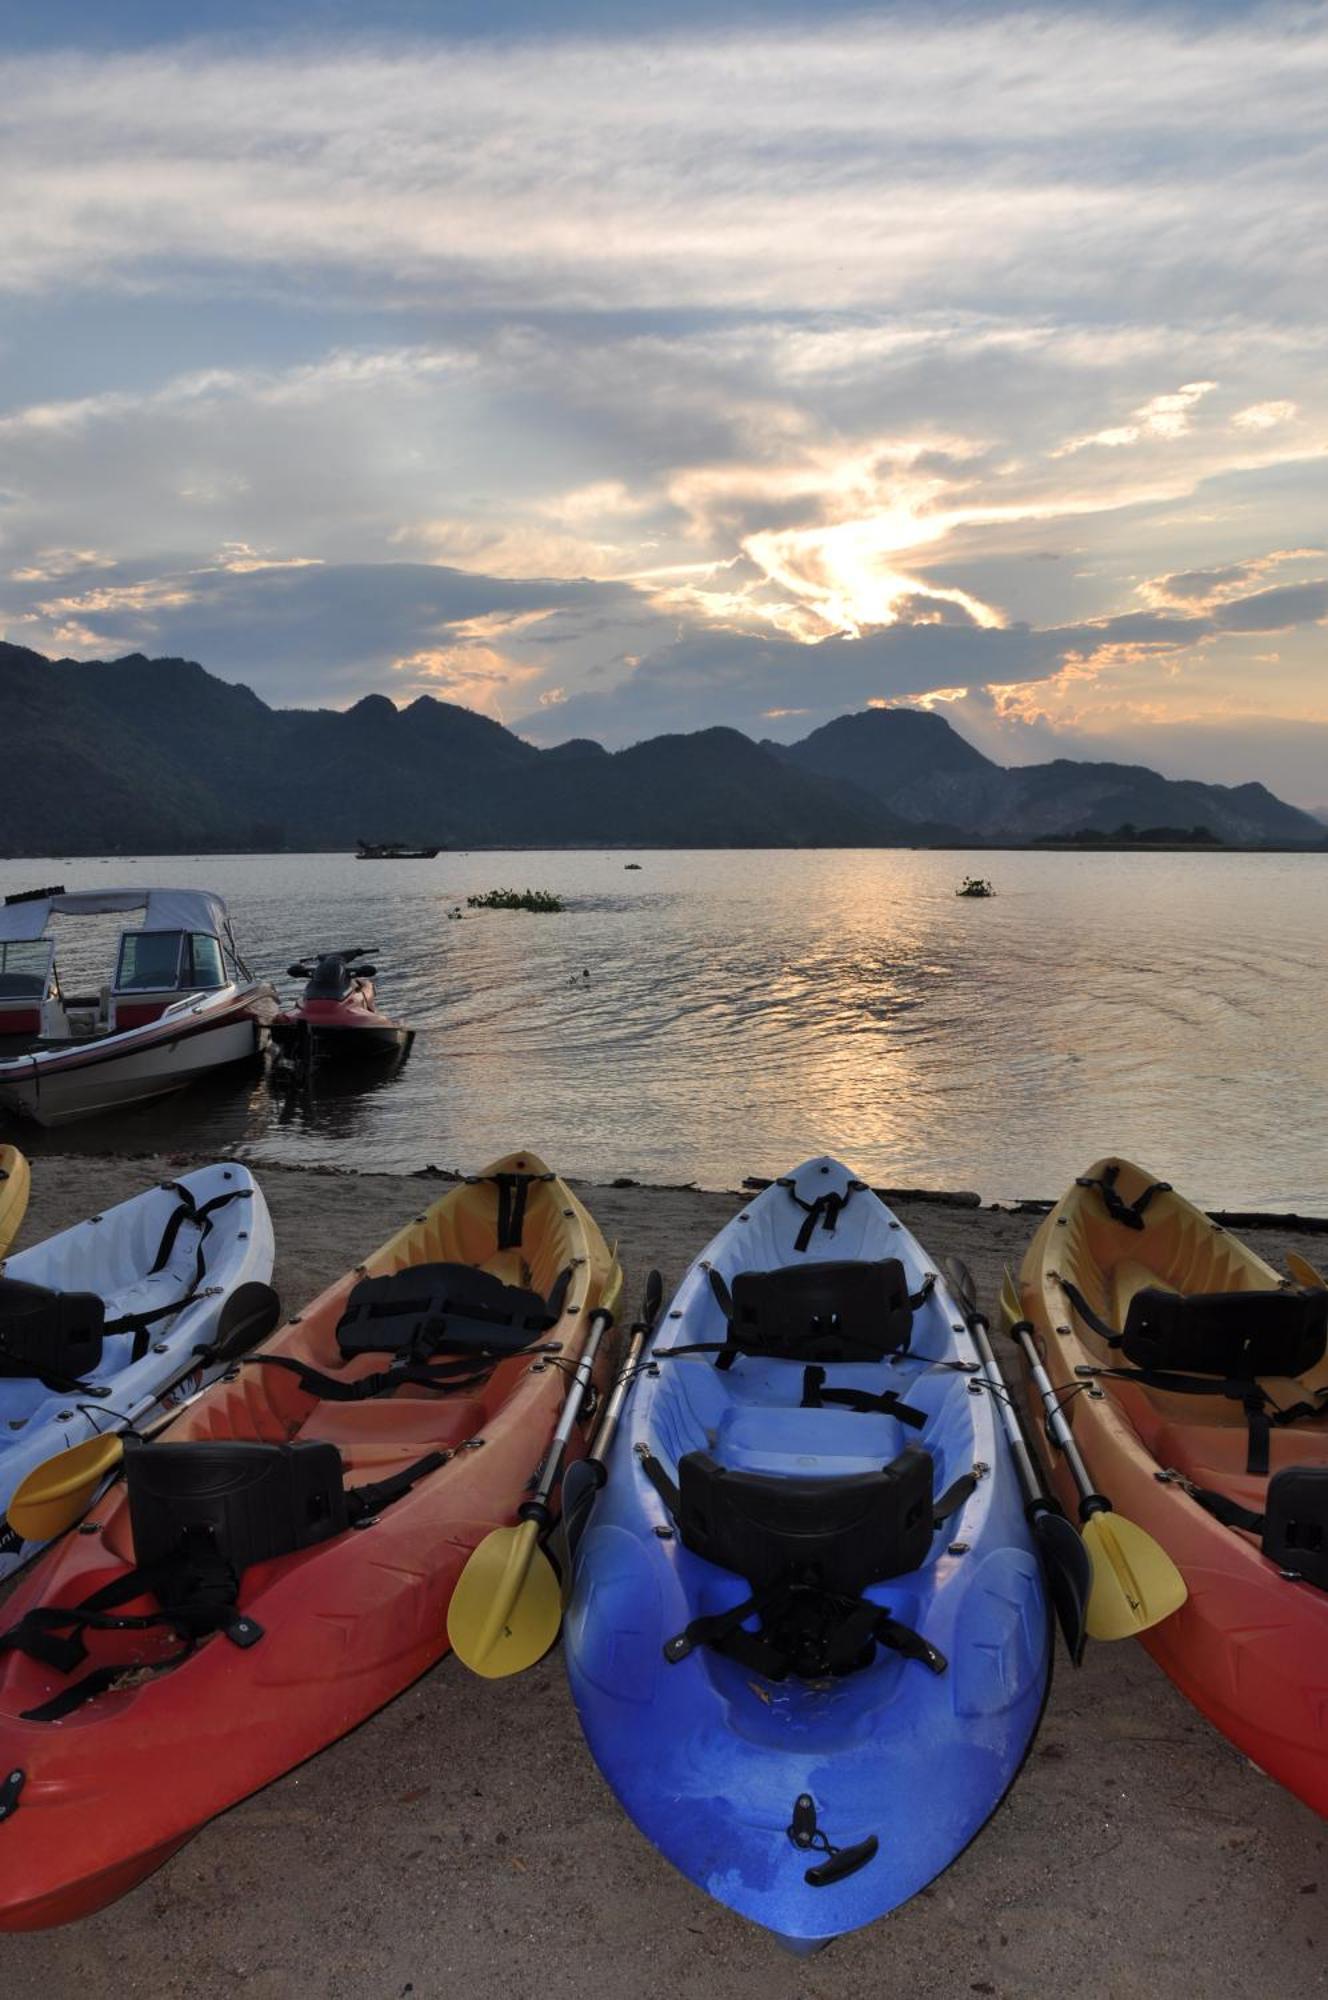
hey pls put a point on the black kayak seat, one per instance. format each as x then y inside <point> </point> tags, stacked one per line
<point>1236,1334</point>
<point>818,1312</point>
<point>440,1308</point>
<point>43,1331</point>
<point>843,1533</point>
<point>252,1500</point>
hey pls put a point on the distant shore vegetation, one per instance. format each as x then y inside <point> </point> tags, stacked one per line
<point>1129,835</point>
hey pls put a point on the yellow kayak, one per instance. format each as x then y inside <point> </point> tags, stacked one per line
<point>14,1184</point>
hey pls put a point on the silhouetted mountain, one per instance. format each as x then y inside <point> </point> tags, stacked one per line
<point>140,754</point>
<point>921,769</point>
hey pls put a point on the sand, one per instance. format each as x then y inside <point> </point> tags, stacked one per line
<point>462,1841</point>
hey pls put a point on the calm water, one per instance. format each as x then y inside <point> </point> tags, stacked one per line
<point>746,1009</point>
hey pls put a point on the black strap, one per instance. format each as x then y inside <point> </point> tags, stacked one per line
<point>843,1631</point>
<point>1229,1512</point>
<point>513,1193</point>
<point>1129,1213</point>
<point>13,1368</point>
<point>1112,1335</point>
<point>363,1503</point>
<point>1262,1416</point>
<point>816,1396</point>
<point>953,1498</point>
<point>826,1209</point>
<point>446,1378</point>
<point>140,1324</point>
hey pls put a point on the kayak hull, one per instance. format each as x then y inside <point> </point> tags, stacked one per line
<point>1249,1647</point>
<point>707,1757</point>
<point>347,1624</point>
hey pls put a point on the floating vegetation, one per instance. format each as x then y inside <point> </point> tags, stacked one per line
<point>539,900</point>
<point>975,885</point>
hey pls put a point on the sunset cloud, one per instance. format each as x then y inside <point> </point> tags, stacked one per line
<point>614,379</point>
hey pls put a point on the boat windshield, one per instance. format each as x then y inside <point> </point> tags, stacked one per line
<point>168,962</point>
<point>25,970</point>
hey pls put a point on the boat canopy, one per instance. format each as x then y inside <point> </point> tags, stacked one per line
<point>165,910</point>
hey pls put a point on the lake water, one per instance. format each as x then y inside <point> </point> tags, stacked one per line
<point>745,1009</point>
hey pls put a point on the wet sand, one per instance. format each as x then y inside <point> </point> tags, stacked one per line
<point>462,1841</point>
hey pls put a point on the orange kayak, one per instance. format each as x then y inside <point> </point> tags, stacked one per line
<point>279,1563</point>
<point>1195,1380</point>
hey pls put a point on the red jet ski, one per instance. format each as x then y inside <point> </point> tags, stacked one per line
<point>336,1020</point>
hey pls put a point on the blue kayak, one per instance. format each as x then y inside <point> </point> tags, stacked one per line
<point>809,1641</point>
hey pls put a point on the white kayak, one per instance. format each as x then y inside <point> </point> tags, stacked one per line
<point>109,1324</point>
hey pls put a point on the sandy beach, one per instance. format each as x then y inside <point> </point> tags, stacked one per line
<point>462,1841</point>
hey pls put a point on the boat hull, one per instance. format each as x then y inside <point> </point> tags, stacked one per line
<point>707,1757</point>
<point>1249,1647</point>
<point>57,1086</point>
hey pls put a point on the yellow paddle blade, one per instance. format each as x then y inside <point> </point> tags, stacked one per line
<point>1135,1583</point>
<point>15,1181</point>
<point>1305,1273</point>
<point>507,1605</point>
<point>1010,1307</point>
<point>56,1494</point>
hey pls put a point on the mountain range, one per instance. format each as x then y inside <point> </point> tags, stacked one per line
<point>139,755</point>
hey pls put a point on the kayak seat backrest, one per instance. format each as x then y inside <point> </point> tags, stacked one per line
<point>1233,1334</point>
<point>820,1311</point>
<point>442,1308</point>
<point>252,1501</point>
<point>1295,1522</point>
<point>843,1533</point>
<point>44,1332</point>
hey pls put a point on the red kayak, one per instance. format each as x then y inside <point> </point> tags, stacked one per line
<point>279,1563</point>
<point>337,1018</point>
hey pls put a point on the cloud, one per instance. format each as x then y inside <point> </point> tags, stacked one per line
<point>1166,416</point>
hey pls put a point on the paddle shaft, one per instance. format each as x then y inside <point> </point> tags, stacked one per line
<point>978,1325</point>
<point>1090,1500</point>
<point>536,1508</point>
<point>614,1408</point>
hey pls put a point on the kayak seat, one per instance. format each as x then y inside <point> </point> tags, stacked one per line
<point>437,1308</point>
<point>201,1514</point>
<point>1239,1334</point>
<point>808,1549</point>
<point>817,1312</point>
<point>843,1533</point>
<point>53,1336</point>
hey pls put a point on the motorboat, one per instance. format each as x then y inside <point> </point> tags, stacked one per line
<point>337,1018</point>
<point>393,850</point>
<point>181,1003</point>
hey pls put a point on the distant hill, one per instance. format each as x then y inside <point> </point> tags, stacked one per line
<point>158,755</point>
<point>141,755</point>
<point>913,762</point>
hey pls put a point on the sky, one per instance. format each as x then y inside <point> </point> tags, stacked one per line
<point>619,370</point>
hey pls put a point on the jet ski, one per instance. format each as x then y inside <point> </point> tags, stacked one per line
<point>337,1019</point>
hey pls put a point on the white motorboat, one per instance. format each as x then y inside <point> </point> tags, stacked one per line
<point>181,1004</point>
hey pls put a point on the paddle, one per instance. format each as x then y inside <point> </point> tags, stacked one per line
<point>58,1492</point>
<point>1305,1273</point>
<point>582,1480</point>
<point>507,1604</point>
<point>1135,1583</point>
<point>15,1183</point>
<point>1065,1561</point>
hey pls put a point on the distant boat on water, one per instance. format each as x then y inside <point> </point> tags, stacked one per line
<point>392,850</point>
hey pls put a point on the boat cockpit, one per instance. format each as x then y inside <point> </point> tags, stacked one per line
<point>155,970</point>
